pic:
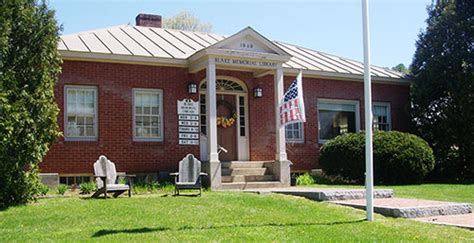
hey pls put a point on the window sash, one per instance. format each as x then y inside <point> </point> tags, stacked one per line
<point>294,133</point>
<point>147,115</point>
<point>343,117</point>
<point>381,117</point>
<point>80,113</point>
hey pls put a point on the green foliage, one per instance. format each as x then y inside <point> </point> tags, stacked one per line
<point>167,187</point>
<point>401,68</point>
<point>186,21</point>
<point>304,180</point>
<point>443,88</point>
<point>29,67</point>
<point>43,189</point>
<point>62,188</point>
<point>399,158</point>
<point>146,187</point>
<point>87,187</point>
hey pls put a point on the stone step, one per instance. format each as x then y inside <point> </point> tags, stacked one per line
<point>244,172</point>
<point>241,178</point>
<point>411,208</point>
<point>244,164</point>
<point>249,185</point>
<point>327,194</point>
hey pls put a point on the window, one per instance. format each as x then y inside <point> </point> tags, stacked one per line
<point>74,180</point>
<point>148,118</point>
<point>81,113</point>
<point>337,117</point>
<point>381,113</point>
<point>294,133</point>
<point>242,116</point>
<point>202,103</point>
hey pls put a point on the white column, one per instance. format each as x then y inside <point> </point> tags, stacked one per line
<point>211,111</point>
<point>280,131</point>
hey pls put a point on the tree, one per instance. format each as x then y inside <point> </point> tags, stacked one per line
<point>186,21</point>
<point>443,88</point>
<point>29,67</point>
<point>401,68</point>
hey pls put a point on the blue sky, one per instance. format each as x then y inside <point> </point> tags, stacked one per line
<point>324,25</point>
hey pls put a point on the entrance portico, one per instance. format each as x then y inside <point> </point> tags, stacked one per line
<point>250,52</point>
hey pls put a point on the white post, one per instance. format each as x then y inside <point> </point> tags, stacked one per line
<point>211,111</point>
<point>280,131</point>
<point>369,184</point>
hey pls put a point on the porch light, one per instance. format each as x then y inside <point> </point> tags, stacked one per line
<point>192,88</point>
<point>257,92</point>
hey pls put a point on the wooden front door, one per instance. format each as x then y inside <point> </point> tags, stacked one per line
<point>227,137</point>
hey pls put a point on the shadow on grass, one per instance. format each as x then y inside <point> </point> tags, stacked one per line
<point>101,233</point>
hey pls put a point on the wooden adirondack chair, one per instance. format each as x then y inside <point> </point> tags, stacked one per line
<point>105,176</point>
<point>189,175</point>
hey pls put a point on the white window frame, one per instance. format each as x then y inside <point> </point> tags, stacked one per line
<point>96,108</point>
<point>339,102</point>
<point>389,113</point>
<point>297,140</point>
<point>160,101</point>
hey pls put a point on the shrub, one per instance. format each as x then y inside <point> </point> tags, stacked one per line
<point>399,158</point>
<point>87,187</point>
<point>62,188</point>
<point>43,189</point>
<point>304,180</point>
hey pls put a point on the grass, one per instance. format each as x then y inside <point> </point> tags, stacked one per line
<point>216,216</point>
<point>442,192</point>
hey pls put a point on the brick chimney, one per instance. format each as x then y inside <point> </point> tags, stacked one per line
<point>148,20</point>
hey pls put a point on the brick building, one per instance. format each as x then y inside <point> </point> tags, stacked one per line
<point>119,90</point>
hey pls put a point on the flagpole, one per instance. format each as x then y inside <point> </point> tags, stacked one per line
<point>369,184</point>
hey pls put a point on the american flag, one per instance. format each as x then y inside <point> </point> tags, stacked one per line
<point>292,105</point>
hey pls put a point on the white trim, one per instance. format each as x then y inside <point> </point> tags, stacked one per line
<point>96,114</point>
<point>389,111</point>
<point>356,103</point>
<point>160,101</point>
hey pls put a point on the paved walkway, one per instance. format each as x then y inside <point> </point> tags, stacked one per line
<point>437,212</point>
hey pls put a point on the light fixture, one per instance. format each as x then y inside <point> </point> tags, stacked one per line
<point>192,88</point>
<point>257,92</point>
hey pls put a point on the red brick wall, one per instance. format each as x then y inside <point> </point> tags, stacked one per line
<point>115,139</point>
<point>115,83</point>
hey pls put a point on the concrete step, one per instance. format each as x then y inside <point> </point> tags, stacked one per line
<point>250,185</point>
<point>411,208</point>
<point>241,178</point>
<point>244,172</point>
<point>244,164</point>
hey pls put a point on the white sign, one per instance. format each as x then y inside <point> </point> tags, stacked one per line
<point>188,142</point>
<point>188,129</point>
<point>188,117</point>
<point>189,123</point>
<point>188,107</point>
<point>243,62</point>
<point>189,135</point>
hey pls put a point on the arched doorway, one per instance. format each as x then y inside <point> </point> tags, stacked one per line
<point>232,115</point>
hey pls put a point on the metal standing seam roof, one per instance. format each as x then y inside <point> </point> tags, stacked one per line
<point>177,44</point>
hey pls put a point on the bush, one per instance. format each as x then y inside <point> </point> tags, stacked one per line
<point>43,190</point>
<point>87,187</point>
<point>304,180</point>
<point>399,158</point>
<point>62,188</point>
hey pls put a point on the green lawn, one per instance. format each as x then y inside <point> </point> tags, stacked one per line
<point>212,217</point>
<point>443,192</point>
